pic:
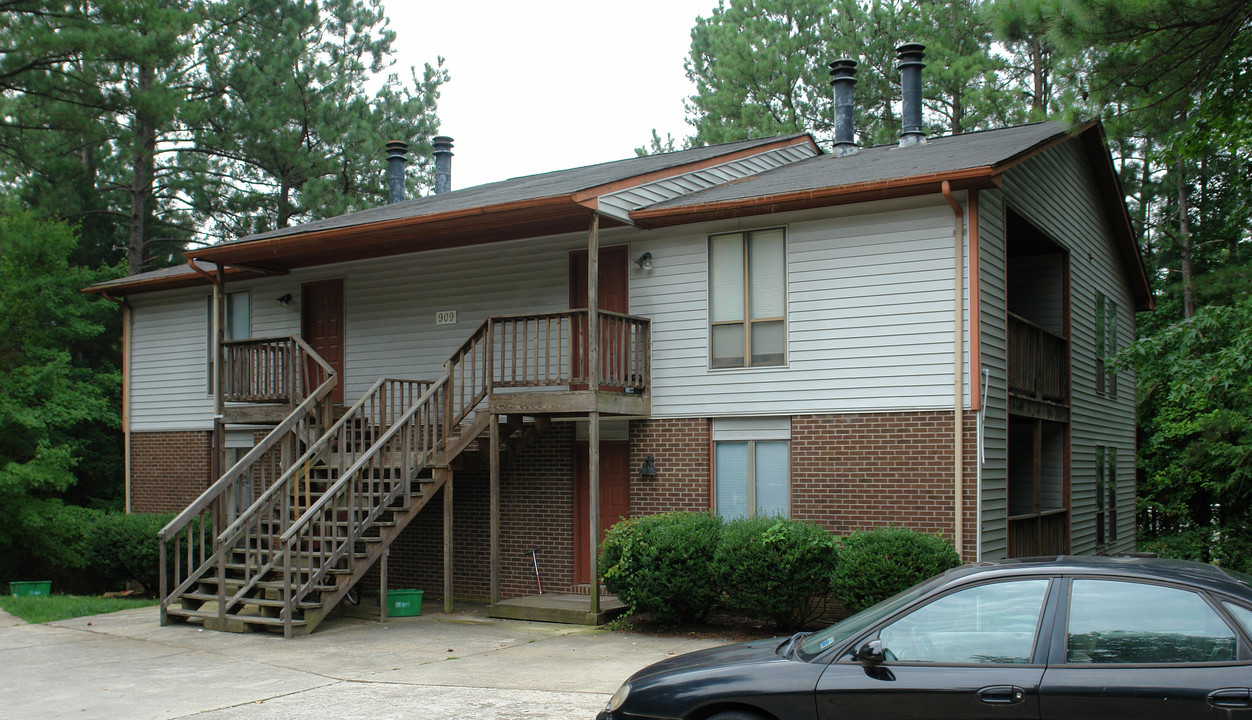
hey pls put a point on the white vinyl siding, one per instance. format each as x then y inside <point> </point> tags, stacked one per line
<point>168,370</point>
<point>869,316</point>
<point>1057,193</point>
<point>390,307</point>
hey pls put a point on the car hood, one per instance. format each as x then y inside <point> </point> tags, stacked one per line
<point>750,674</point>
<point>722,658</point>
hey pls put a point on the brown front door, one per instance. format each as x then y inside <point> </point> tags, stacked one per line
<point>614,497</point>
<point>321,324</point>
<point>614,297</point>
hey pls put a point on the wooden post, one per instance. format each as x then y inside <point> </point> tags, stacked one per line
<point>495,508</point>
<point>218,441</point>
<point>593,382</point>
<point>447,539</point>
<point>382,586</point>
<point>127,319</point>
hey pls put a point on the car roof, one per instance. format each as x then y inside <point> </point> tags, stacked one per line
<point>1195,574</point>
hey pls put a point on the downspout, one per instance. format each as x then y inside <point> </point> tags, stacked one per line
<point>126,339</point>
<point>958,410</point>
<point>978,402</point>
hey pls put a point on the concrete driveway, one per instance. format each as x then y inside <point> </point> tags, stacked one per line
<point>125,665</point>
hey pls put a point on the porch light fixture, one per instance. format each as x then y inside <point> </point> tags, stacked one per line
<point>644,262</point>
<point>284,299</point>
<point>649,467</point>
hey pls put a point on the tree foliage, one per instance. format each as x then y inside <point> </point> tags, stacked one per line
<point>1195,395</point>
<point>59,400</point>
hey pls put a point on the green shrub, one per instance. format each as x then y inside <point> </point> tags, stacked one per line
<point>876,564</point>
<point>87,551</point>
<point>774,568</point>
<point>660,564</point>
<point>125,548</point>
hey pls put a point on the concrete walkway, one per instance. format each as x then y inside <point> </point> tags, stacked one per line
<point>125,665</point>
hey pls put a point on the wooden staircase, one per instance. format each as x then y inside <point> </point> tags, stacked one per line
<point>283,535</point>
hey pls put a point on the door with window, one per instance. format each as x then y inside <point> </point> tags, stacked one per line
<point>1143,650</point>
<point>967,655</point>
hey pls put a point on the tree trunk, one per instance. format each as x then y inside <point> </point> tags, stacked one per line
<point>284,203</point>
<point>141,175</point>
<point>1184,242</point>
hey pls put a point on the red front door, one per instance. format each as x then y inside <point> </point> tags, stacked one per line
<point>614,296</point>
<point>321,324</point>
<point>614,497</point>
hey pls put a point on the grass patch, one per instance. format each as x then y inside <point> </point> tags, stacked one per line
<point>64,607</point>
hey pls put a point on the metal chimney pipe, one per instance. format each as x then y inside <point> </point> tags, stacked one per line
<point>443,163</point>
<point>910,56</point>
<point>396,150</point>
<point>843,78</point>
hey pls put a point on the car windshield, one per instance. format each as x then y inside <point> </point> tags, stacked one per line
<point>818,642</point>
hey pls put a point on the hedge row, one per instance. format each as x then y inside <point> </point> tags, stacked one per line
<point>85,550</point>
<point>678,567</point>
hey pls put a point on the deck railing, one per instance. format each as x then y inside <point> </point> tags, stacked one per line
<point>539,350</point>
<point>267,370</point>
<point>1038,362</point>
<point>187,542</point>
<point>1041,533</point>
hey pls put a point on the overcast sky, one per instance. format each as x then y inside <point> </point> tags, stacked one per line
<point>550,84</point>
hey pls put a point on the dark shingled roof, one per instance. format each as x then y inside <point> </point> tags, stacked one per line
<point>879,164</point>
<point>552,184</point>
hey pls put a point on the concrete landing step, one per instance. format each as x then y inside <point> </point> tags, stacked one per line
<point>568,608</point>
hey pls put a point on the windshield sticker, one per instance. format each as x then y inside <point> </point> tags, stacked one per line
<point>825,643</point>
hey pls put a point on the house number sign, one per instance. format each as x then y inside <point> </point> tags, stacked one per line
<point>445,317</point>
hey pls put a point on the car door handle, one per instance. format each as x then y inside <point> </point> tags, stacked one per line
<point>1231,698</point>
<point>1001,695</point>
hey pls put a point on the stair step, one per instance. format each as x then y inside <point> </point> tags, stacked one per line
<point>258,601</point>
<point>249,619</point>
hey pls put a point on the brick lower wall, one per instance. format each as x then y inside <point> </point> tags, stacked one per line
<point>168,470</point>
<point>536,512</point>
<point>681,448</point>
<point>848,472</point>
<point>861,471</point>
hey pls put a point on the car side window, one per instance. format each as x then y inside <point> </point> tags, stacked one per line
<point>1113,621</point>
<point>993,623</point>
<point>1242,615</point>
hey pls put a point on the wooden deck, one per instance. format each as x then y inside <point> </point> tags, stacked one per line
<point>569,608</point>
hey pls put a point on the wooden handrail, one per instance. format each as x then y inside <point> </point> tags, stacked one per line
<point>194,530</point>
<point>396,428</point>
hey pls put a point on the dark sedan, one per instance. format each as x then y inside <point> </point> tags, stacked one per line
<point>1070,637</point>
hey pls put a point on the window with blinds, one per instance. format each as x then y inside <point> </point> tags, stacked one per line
<point>747,299</point>
<point>752,467</point>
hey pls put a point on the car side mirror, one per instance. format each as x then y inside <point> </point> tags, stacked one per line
<point>871,652</point>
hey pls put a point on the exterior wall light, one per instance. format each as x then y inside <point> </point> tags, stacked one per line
<point>649,467</point>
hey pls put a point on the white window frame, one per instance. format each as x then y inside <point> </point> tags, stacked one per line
<point>751,431</point>
<point>747,320</point>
